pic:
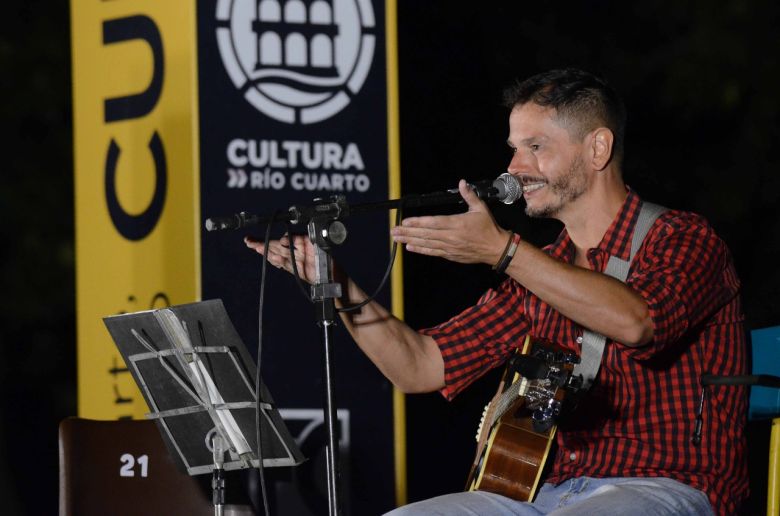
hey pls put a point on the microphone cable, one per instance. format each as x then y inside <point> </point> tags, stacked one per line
<point>391,261</point>
<point>258,400</point>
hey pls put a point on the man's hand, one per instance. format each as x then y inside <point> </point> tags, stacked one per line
<point>471,237</point>
<point>279,254</point>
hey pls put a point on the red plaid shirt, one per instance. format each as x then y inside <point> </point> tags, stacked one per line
<point>638,418</point>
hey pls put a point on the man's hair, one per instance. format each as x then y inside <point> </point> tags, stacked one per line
<point>582,101</point>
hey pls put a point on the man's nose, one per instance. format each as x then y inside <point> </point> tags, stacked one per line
<point>519,164</point>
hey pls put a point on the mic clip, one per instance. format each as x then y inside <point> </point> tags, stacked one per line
<point>333,208</point>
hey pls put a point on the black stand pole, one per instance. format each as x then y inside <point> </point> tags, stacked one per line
<point>324,232</point>
<point>218,476</point>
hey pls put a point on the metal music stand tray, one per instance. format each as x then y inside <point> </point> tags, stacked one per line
<point>198,380</point>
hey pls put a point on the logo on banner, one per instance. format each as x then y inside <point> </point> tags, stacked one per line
<point>297,61</point>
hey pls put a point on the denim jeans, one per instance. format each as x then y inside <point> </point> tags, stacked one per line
<point>576,496</point>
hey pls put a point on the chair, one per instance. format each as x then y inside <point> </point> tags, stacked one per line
<point>122,468</point>
<point>764,400</point>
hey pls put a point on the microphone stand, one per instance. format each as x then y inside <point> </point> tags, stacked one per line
<point>325,231</point>
<point>338,207</point>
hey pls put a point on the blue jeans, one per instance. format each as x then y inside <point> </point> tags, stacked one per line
<point>576,496</point>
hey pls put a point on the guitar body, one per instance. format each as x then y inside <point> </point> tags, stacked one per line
<point>511,463</point>
<point>518,426</point>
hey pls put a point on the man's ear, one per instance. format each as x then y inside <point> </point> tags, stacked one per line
<point>601,141</point>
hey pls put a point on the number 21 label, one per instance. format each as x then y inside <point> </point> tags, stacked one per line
<point>128,465</point>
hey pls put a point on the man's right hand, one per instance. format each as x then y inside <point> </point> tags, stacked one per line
<point>279,254</point>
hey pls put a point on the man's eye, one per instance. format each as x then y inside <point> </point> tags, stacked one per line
<point>534,146</point>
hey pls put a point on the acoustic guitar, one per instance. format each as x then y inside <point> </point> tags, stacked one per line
<point>518,425</point>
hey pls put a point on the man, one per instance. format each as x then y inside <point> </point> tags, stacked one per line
<point>676,317</point>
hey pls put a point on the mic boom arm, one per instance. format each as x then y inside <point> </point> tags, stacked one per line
<point>506,188</point>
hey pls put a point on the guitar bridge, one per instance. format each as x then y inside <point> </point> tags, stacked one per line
<point>544,417</point>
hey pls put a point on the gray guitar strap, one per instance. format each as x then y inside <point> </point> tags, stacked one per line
<point>592,342</point>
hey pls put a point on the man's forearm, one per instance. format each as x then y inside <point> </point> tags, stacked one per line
<point>592,299</point>
<point>408,359</point>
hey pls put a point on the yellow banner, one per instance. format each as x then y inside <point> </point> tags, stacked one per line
<point>136,166</point>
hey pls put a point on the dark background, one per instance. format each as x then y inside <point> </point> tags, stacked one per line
<point>701,83</point>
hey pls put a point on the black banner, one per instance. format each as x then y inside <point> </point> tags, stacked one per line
<point>293,106</point>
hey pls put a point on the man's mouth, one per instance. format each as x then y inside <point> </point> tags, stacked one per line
<point>532,187</point>
<point>531,184</point>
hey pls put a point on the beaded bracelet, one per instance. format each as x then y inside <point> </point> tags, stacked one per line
<point>509,252</point>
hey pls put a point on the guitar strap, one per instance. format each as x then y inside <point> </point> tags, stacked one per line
<point>592,342</point>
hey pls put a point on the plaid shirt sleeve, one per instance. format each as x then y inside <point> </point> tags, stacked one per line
<point>481,337</point>
<point>684,273</point>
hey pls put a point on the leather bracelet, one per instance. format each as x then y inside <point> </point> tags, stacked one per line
<point>506,250</point>
<point>508,254</point>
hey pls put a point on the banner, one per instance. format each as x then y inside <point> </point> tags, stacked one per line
<point>135,145</point>
<point>196,108</point>
<point>293,107</point>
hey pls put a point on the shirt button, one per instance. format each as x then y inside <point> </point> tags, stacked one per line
<point>572,456</point>
<point>579,339</point>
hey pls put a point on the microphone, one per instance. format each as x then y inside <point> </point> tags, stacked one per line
<point>505,188</point>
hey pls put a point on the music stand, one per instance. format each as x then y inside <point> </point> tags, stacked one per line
<point>198,380</point>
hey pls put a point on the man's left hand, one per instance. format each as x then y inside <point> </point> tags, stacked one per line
<point>470,237</point>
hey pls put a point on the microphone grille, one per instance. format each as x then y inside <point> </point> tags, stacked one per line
<point>509,188</point>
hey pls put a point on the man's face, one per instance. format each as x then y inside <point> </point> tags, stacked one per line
<point>546,159</point>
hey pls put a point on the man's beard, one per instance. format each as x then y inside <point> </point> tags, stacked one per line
<point>566,188</point>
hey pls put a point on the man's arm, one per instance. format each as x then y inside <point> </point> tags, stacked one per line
<point>592,299</point>
<point>595,300</point>
<point>410,360</point>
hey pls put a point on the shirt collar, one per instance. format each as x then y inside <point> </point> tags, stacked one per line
<point>615,242</point>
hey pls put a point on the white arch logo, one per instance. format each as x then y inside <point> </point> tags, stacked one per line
<point>297,61</point>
